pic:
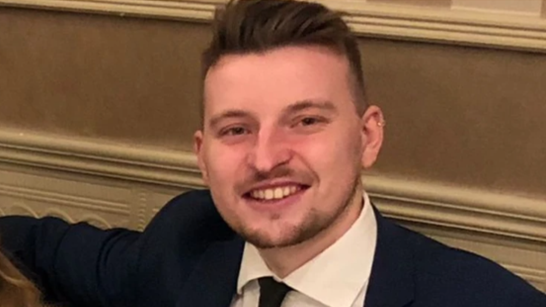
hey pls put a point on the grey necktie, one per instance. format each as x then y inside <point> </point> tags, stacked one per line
<point>272,293</point>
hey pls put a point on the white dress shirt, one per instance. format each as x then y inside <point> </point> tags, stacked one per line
<point>338,277</point>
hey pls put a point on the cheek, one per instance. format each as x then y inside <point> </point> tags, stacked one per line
<point>331,153</point>
<point>223,163</point>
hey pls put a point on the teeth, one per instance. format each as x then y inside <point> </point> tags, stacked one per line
<point>278,193</point>
<point>286,191</point>
<point>269,193</point>
<point>275,193</point>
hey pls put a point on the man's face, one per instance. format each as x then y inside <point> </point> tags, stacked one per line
<point>282,145</point>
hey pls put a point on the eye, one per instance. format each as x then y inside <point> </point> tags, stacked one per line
<point>308,121</point>
<point>234,131</point>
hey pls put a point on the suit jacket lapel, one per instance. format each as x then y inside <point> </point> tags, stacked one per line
<point>391,281</point>
<point>213,283</point>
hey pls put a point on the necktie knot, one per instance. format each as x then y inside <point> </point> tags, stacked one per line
<point>272,293</point>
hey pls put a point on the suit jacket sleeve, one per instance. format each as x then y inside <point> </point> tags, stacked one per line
<point>77,263</point>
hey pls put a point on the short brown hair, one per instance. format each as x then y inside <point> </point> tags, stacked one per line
<point>255,26</point>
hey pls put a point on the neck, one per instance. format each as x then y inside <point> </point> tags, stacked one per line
<point>285,260</point>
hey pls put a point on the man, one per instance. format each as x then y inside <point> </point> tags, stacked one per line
<point>286,132</point>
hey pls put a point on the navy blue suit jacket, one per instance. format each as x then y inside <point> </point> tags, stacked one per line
<point>188,257</point>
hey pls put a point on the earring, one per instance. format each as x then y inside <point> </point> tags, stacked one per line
<point>381,123</point>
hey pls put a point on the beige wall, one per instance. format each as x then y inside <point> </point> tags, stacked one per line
<point>529,7</point>
<point>459,115</point>
<point>117,79</point>
<point>97,114</point>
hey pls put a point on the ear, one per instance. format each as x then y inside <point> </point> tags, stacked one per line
<point>199,152</point>
<point>372,125</point>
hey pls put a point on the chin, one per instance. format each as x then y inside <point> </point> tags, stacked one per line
<point>264,242</point>
<point>268,236</point>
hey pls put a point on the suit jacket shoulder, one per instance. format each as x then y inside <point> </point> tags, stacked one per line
<point>433,274</point>
<point>175,246</point>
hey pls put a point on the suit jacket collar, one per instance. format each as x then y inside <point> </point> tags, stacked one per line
<point>213,283</point>
<point>392,278</point>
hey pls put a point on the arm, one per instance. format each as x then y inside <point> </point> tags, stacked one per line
<point>79,263</point>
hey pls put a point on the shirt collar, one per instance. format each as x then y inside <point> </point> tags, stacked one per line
<point>337,275</point>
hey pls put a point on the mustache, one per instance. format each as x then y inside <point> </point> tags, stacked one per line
<point>281,172</point>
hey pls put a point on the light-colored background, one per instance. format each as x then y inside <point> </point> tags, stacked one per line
<point>99,101</point>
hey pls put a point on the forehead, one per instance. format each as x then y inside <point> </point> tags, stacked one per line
<point>274,79</point>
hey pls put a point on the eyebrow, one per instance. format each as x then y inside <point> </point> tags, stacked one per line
<point>310,104</point>
<point>234,113</point>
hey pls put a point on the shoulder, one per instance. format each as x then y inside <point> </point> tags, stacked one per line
<point>173,244</point>
<point>184,227</point>
<point>453,277</point>
<point>192,212</point>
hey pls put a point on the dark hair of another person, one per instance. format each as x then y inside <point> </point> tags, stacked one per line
<point>15,289</point>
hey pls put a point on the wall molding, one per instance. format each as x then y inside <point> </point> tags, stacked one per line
<point>129,162</point>
<point>427,203</point>
<point>367,19</point>
<point>532,275</point>
<point>64,200</point>
<point>176,10</point>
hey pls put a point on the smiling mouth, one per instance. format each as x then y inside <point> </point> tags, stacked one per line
<point>276,193</point>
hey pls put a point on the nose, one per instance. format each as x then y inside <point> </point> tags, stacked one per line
<point>269,151</point>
